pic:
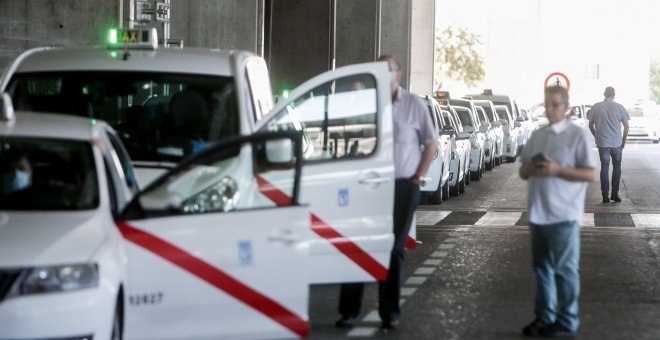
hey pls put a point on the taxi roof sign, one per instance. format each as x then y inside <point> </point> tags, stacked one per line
<point>488,92</point>
<point>132,38</point>
<point>441,95</point>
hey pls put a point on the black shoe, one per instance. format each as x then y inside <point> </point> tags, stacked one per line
<point>345,322</point>
<point>556,330</point>
<point>616,198</point>
<point>389,325</point>
<point>534,328</point>
<point>606,199</point>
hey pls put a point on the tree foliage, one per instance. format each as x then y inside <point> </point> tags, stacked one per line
<point>457,58</point>
<point>654,80</point>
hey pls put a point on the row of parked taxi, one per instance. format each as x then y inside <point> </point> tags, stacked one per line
<point>476,133</point>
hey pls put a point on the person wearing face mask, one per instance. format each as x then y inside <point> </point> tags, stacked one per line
<point>16,172</point>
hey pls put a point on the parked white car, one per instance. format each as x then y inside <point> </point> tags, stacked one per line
<point>460,160</point>
<point>491,139</point>
<point>466,112</point>
<point>167,104</point>
<point>643,125</point>
<point>436,183</point>
<point>496,126</point>
<point>85,254</point>
<point>511,133</point>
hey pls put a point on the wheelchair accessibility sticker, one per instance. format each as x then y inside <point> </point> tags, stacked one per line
<point>342,198</point>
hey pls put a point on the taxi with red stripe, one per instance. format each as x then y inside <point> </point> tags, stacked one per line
<point>87,254</point>
<point>167,104</point>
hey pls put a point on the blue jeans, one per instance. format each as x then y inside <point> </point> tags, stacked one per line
<point>605,155</point>
<point>556,257</point>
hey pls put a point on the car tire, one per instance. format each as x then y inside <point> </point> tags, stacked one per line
<point>435,197</point>
<point>655,141</point>
<point>455,190</point>
<point>445,191</point>
<point>462,184</point>
<point>117,322</point>
<point>467,177</point>
<point>489,165</point>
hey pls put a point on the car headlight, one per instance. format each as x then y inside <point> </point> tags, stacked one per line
<point>52,279</point>
<point>221,196</point>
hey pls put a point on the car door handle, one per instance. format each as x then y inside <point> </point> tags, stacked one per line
<point>373,180</point>
<point>284,236</point>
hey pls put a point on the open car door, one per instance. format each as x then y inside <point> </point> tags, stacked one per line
<point>209,256</point>
<point>348,172</point>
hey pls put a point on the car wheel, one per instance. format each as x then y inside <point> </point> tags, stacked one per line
<point>655,141</point>
<point>455,190</point>
<point>467,177</point>
<point>445,191</point>
<point>117,323</point>
<point>462,184</point>
<point>489,165</point>
<point>435,197</point>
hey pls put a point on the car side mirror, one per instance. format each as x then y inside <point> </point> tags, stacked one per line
<point>448,130</point>
<point>6,108</point>
<point>280,151</point>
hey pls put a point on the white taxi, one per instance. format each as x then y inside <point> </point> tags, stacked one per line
<point>436,182</point>
<point>169,103</point>
<point>466,112</point>
<point>84,254</point>
<point>460,160</point>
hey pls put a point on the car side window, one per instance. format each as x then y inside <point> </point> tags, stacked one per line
<point>260,90</point>
<point>338,119</point>
<point>124,162</point>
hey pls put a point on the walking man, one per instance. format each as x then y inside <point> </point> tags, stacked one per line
<point>558,162</point>
<point>412,128</point>
<point>605,124</point>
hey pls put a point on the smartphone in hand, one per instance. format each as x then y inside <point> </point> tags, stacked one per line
<point>538,158</point>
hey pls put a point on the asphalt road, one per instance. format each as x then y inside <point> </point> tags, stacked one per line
<point>471,276</point>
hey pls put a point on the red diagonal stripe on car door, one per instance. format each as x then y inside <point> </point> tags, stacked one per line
<point>216,277</point>
<point>342,243</point>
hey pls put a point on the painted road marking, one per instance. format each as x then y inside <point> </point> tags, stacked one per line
<point>362,332</point>
<point>588,220</point>
<point>408,291</point>
<point>439,254</point>
<point>432,262</point>
<point>446,246</point>
<point>497,218</point>
<point>371,317</point>
<point>646,220</point>
<point>451,240</point>
<point>416,280</point>
<point>425,270</point>
<point>430,217</point>
<point>462,229</point>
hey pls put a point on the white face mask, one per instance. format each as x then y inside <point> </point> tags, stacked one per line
<point>16,181</point>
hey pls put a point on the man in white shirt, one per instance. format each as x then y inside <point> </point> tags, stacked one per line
<point>558,162</point>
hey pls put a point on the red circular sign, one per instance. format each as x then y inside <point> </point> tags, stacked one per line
<point>558,75</point>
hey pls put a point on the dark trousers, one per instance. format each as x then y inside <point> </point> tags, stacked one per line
<point>615,155</point>
<point>406,199</point>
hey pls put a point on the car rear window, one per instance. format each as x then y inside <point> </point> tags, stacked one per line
<point>160,117</point>
<point>47,174</point>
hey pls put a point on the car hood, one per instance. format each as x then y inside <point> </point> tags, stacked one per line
<point>44,238</point>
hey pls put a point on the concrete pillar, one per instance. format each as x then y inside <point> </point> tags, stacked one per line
<point>422,46</point>
<point>395,34</point>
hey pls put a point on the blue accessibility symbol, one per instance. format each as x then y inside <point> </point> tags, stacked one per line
<point>342,198</point>
<point>245,253</point>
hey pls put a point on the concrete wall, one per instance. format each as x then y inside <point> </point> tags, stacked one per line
<point>357,31</point>
<point>227,24</point>
<point>31,23</point>
<point>300,41</point>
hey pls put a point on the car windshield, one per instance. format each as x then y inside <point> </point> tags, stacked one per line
<point>464,116</point>
<point>502,113</point>
<point>489,111</point>
<point>45,174</point>
<point>507,104</point>
<point>482,114</point>
<point>160,117</point>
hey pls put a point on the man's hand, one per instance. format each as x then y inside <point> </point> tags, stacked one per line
<point>547,168</point>
<point>415,180</point>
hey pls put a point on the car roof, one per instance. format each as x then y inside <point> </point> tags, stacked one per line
<point>170,60</point>
<point>53,126</point>
<point>491,97</point>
